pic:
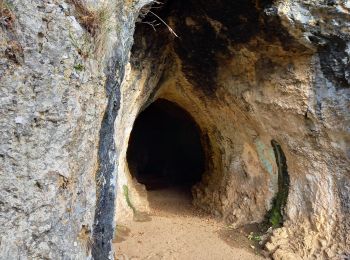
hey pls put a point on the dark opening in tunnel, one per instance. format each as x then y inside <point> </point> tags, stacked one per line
<point>165,148</point>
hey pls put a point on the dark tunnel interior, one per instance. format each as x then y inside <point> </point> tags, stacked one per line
<point>165,147</point>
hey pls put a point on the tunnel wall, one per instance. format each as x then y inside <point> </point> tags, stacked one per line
<point>251,82</point>
<point>261,89</point>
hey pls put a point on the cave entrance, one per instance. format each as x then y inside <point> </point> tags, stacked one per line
<point>165,149</point>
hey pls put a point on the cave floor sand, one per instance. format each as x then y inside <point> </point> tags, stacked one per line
<point>176,230</point>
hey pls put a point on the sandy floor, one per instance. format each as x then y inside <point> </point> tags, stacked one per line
<point>175,230</point>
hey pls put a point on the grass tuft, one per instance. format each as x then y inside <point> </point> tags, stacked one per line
<point>97,22</point>
<point>79,67</point>
<point>7,17</point>
<point>254,237</point>
<point>88,18</point>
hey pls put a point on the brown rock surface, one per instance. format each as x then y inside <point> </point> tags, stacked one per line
<point>250,73</point>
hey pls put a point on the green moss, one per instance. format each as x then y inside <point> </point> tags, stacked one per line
<point>254,237</point>
<point>79,67</point>
<point>137,215</point>
<point>127,198</point>
<point>274,217</point>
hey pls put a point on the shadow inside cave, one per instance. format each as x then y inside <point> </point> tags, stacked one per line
<point>165,151</point>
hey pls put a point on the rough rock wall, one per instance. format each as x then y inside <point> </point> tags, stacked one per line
<point>246,81</point>
<point>50,117</point>
<point>143,73</point>
<point>318,209</point>
<point>54,95</point>
<point>282,73</point>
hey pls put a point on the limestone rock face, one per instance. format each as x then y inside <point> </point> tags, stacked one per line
<point>250,74</point>
<point>52,102</point>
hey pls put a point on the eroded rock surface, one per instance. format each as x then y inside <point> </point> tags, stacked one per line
<point>272,71</point>
<point>248,72</point>
<point>53,99</point>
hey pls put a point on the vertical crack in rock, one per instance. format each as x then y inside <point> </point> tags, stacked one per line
<point>107,152</point>
<point>275,215</point>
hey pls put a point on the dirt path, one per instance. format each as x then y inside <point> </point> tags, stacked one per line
<point>177,231</point>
